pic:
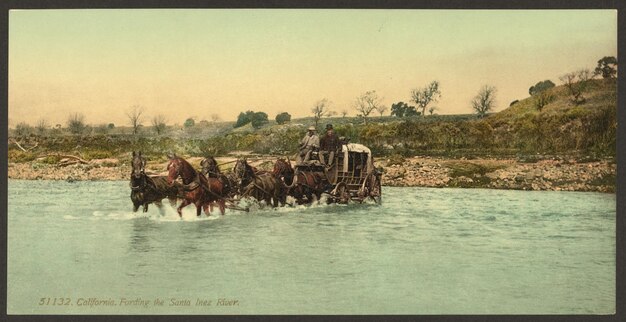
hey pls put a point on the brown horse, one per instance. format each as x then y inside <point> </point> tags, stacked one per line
<point>198,189</point>
<point>146,190</point>
<point>300,185</point>
<point>210,169</point>
<point>261,186</point>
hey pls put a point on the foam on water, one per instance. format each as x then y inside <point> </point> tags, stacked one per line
<point>423,251</point>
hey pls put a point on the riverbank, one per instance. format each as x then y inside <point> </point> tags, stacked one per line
<point>551,174</point>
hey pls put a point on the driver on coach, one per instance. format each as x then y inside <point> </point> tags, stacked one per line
<point>329,145</point>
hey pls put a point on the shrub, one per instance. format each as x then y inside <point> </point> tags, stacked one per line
<point>20,156</point>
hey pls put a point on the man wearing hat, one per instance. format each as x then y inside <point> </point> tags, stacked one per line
<point>329,146</point>
<point>310,143</point>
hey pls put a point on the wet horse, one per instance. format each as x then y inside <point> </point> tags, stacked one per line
<point>210,169</point>
<point>261,186</point>
<point>301,184</point>
<point>146,190</point>
<point>198,189</point>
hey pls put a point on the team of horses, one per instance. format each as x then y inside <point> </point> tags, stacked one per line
<point>209,186</point>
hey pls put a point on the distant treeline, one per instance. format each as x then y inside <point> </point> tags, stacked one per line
<point>561,126</point>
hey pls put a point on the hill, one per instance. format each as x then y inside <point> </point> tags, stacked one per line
<point>522,130</point>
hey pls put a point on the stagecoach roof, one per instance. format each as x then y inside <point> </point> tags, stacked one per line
<point>355,147</point>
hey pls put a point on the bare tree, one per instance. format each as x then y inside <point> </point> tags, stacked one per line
<point>426,95</point>
<point>484,101</point>
<point>215,117</point>
<point>134,115</point>
<point>367,103</point>
<point>382,109</point>
<point>577,83</point>
<point>158,124</point>
<point>344,112</point>
<point>76,123</point>
<point>42,126</point>
<point>320,110</point>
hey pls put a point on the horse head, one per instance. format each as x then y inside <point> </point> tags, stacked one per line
<point>282,168</point>
<point>173,168</point>
<point>138,165</point>
<point>210,167</point>
<point>243,171</point>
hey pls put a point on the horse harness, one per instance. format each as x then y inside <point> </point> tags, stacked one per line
<point>146,183</point>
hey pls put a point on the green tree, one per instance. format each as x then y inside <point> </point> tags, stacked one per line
<point>426,95</point>
<point>484,101</point>
<point>259,119</point>
<point>111,126</point>
<point>244,118</point>
<point>190,122</point>
<point>283,118</point>
<point>540,87</point>
<point>607,67</point>
<point>402,109</point>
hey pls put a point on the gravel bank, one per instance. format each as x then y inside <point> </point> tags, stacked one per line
<point>557,175</point>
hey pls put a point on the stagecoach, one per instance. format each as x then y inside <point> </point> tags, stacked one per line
<point>352,175</point>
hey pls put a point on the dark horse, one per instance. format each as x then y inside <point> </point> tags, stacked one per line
<point>146,190</point>
<point>210,169</point>
<point>261,186</point>
<point>198,189</point>
<point>300,185</point>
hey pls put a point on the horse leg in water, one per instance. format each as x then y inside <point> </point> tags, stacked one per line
<point>222,205</point>
<point>159,205</point>
<point>172,202</point>
<point>145,207</point>
<point>207,208</point>
<point>183,204</point>
<point>275,199</point>
<point>199,206</point>
<point>136,206</point>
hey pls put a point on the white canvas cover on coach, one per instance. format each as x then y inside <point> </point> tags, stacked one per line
<point>355,147</point>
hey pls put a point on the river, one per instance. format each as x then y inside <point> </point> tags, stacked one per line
<point>77,248</point>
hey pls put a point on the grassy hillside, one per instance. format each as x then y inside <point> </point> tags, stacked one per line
<point>559,128</point>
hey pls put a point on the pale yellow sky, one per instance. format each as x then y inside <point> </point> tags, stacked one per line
<point>194,63</point>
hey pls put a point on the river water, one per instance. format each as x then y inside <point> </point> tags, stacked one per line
<point>77,248</point>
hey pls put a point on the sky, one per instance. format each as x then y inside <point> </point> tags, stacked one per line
<point>184,63</point>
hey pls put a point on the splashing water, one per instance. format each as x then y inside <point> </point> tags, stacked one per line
<point>423,251</point>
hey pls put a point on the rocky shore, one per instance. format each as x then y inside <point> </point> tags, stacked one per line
<point>557,175</point>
